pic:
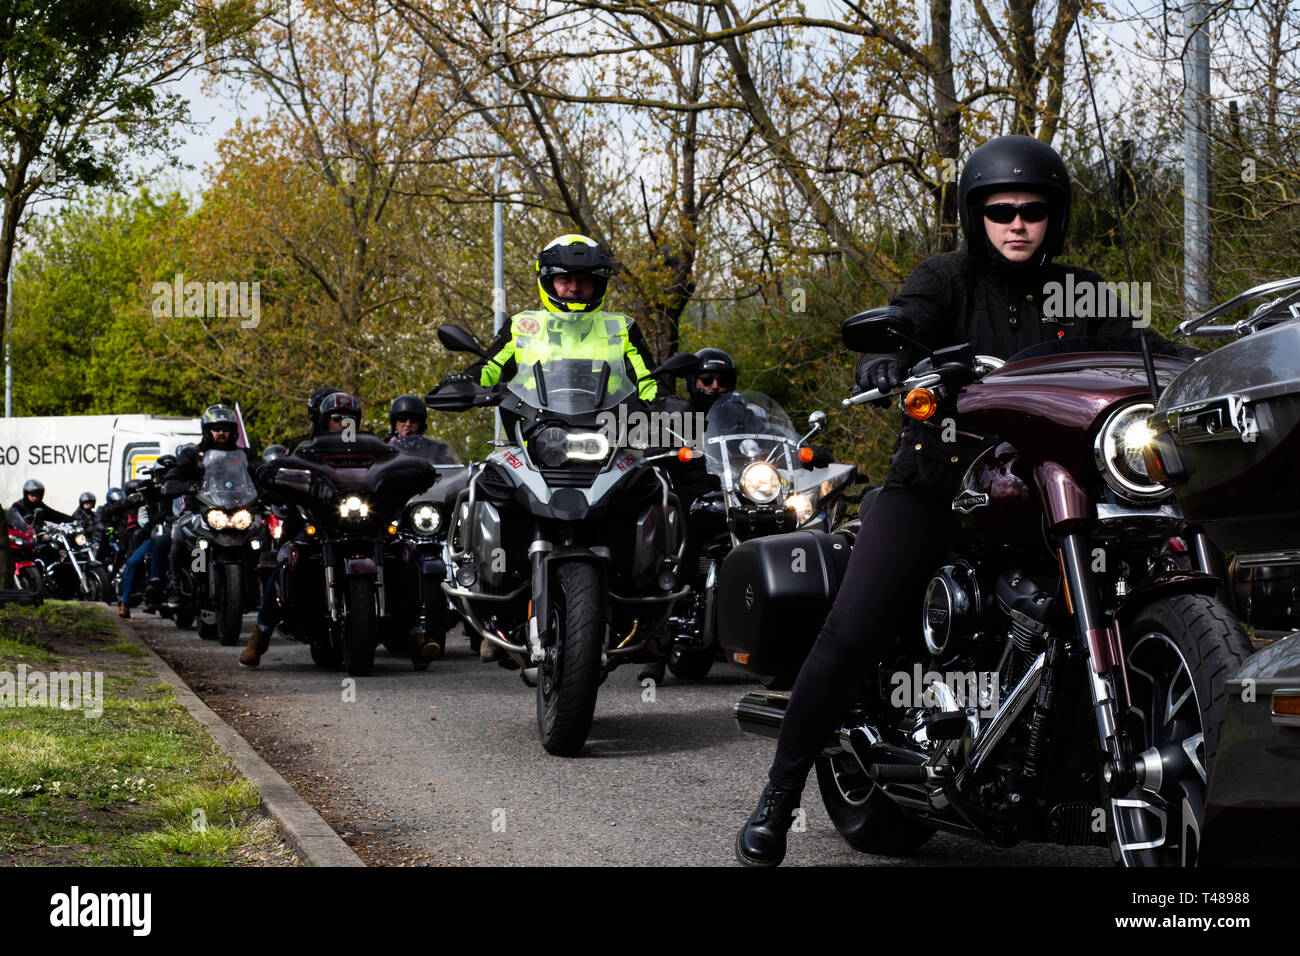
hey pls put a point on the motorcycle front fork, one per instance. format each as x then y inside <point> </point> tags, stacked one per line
<point>1107,680</point>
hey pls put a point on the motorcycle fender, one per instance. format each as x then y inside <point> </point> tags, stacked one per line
<point>358,566</point>
<point>1163,585</point>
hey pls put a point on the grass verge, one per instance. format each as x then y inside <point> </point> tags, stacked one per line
<point>139,784</point>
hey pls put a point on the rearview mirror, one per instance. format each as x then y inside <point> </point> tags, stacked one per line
<point>683,363</point>
<point>456,339</point>
<point>886,329</point>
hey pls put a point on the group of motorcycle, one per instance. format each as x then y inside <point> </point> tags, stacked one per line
<point>56,560</point>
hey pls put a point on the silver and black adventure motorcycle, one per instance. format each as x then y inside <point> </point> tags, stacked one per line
<point>565,543</point>
<point>1065,681</point>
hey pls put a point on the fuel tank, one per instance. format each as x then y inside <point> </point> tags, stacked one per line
<point>996,504</point>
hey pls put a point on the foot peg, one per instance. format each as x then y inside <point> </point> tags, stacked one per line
<point>898,773</point>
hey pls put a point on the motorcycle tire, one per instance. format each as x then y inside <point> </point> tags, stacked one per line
<point>326,657</point>
<point>230,603</point>
<point>568,679</point>
<point>1180,651</point>
<point>360,625</point>
<point>100,585</point>
<point>866,818</point>
<point>29,579</point>
<point>691,663</point>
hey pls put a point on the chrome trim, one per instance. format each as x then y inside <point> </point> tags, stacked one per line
<point>968,501</point>
<point>674,596</point>
<point>1206,421</point>
<point>1117,482</point>
<point>1257,559</point>
<point>1020,695</point>
<point>1197,324</point>
<point>1133,804</point>
<point>1150,770</point>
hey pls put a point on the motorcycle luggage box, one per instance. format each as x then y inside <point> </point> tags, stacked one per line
<point>1233,420</point>
<point>773,594</point>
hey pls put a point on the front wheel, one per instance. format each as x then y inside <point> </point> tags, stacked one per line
<point>571,672</point>
<point>866,818</point>
<point>360,627</point>
<point>29,579</point>
<point>1180,652</point>
<point>230,603</point>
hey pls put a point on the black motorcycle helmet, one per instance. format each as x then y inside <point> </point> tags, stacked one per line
<point>313,406</point>
<point>34,487</point>
<point>167,461</point>
<point>273,452</point>
<point>86,499</point>
<point>340,403</point>
<point>411,406</point>
<point>114,496</point>
<point>216,415</point>
<point>1014,163</point>
<point>568,254</point>
<point>712,362</point>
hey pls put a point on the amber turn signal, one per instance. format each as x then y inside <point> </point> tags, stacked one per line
<point>1286,703</point>
<point>740,658</point>
<point>392,529</point>
<point>920,403</point>
<point>310,529</point>
<point>805,454</point>
<point>685,454</point>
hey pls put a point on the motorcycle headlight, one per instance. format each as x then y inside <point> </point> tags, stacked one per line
<point>802,505</point>
<point>550,447</point>
<point>426,519</point>
<point>277,530</point>
<point>80,539</point>
<point>760,482</point>
<point>354,507</point>
<point>217,519</point>
<point>587,446</point>
<point>241,519</point>
<point>1118,451</point>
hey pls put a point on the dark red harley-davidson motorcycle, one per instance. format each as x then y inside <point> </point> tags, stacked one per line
<point>1065,682</point>
<point>348,578</point>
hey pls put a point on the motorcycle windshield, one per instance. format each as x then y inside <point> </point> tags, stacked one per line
<point>226,482</point>
<point>571,386</point>
<point>745,427</point>
<point>16,520</point>
<point>434,452</point>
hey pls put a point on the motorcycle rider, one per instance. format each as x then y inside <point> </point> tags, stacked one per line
<point>33,498</point>
<point>408,417</point>
<point>1014,202</point>
<point>85,513</point>
<point>220,427</point>
<point>573,272</point>
<point>145,502</point>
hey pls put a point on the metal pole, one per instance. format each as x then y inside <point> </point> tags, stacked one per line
<point>1196,162</point>
<point>498,222</point>
<point>9,320</point>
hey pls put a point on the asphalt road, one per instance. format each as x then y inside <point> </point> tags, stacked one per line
<point>444,767</point>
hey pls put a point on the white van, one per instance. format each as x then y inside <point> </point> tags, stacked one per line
<point>75,453</point>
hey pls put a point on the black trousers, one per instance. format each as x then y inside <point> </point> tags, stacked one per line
<point>903,539</point>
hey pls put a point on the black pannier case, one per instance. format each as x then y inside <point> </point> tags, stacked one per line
<point>773,594</point>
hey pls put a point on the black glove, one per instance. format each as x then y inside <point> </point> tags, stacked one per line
<point>821,457</point>
<point>884,372</point>
<point>455,378</point>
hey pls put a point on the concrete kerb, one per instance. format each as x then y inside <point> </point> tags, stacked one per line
<point>304,828</point>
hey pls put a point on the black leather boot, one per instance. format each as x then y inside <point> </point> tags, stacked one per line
<point>761,841</point>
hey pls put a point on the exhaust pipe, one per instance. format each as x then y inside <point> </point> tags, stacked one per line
<point>759,713</point>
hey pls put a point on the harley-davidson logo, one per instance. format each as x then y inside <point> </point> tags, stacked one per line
<point>749,597</point>
<point>528,326</point>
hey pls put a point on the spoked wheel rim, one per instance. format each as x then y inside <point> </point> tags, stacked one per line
<point>1158,822</point>
<point>854,786</point>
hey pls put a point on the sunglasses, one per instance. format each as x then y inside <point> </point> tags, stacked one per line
<point>221,428</point>
<point>707,380</point>
<point>1005,212</point>
<point>336,418</point>
<point>406,418</point>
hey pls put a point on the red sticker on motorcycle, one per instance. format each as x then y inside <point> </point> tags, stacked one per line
<point>513,460</point>
<point>528,326</point>
<point>626,462</point>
